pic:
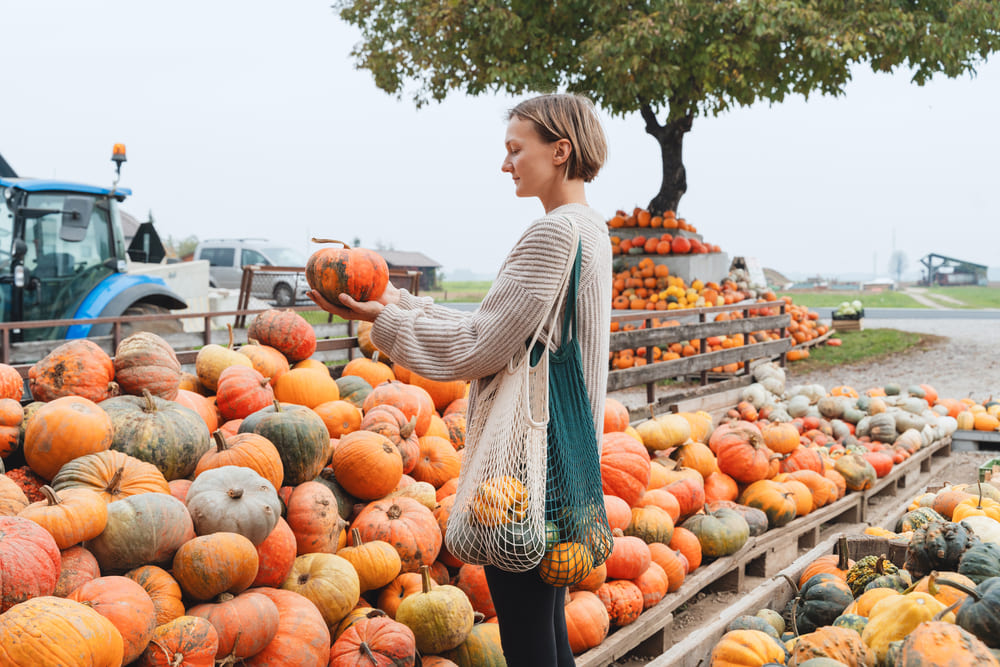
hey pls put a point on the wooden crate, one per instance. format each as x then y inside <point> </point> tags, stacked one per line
<point>849,325</point>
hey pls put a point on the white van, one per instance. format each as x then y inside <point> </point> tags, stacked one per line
<point>227,257</point>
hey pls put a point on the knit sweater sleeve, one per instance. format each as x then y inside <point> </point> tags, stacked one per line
<point>465,346</point>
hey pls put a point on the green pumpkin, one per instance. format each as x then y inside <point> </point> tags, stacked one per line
<point>720,533</point>
<point>892,389</point>
<point>441,618</point>
<point>858,473</point>
<point>165,433</point>
<point>345,501</point>
<point>299,435</point>
<point>480,649</point>
<point>747,622</point>
<point>353,389</point>
<point>756,519</point>
<point>773,618</point>
<point>897,581</point>
<point>854,622</point>
<point>822,598</point>
<point>867,570</point>
<point>980,562</point>
<point>894,653</point>
<point>917,519</point>
<point>938,546</point>
<point>551,535</point>
<point>916,390</point>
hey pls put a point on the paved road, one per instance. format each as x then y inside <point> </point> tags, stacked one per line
<point>921,313</point>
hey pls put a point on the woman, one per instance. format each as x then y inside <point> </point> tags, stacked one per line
<point>555,145</point>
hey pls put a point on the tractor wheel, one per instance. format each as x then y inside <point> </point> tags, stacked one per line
<point>159,327</point>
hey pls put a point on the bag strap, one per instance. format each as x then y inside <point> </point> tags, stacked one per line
<point>569,317</point>
<point>560,295</point>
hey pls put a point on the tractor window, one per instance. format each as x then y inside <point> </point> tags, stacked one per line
<point>51,257</point>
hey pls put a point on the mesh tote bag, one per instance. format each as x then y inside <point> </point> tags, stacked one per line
<point>499,513</point>
<point>578,537</point>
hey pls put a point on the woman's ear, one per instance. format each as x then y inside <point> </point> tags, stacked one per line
<point>563,148</point>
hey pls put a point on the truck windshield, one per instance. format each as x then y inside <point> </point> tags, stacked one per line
<point>284,256</point>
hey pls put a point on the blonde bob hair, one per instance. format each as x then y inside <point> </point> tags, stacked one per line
<point>571,117</point>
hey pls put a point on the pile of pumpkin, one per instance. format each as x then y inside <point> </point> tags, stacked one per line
<point>651,287</point>
<point>658,242</point>
<point>253,510</point>
<point>974,416</point>
<point>940,606</point>
<point>683,490</point>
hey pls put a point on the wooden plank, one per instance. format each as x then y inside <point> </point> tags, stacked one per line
<point>663,336</point>
<point>695,649</point>
<point>630,377</point>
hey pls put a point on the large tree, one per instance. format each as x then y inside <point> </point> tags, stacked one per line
<point>668,60</point>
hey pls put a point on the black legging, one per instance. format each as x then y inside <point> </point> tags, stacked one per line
<point>532,619</point>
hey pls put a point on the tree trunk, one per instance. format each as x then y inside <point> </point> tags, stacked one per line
<point>671,139</point>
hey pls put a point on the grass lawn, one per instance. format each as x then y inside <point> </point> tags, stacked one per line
<point>859,346</point>
<point>460,291</point>
<point>971,296</point>
<point>885,299</point>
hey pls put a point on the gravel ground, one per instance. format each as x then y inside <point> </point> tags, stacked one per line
<point>967,364</point>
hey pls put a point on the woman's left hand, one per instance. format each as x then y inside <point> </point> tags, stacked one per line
<point>348,308</point>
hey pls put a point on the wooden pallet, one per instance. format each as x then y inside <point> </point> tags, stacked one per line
<point>970,441</point>
<point>695,649</point>
<point>765,556</point>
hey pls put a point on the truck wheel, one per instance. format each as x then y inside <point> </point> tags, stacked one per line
<point>283,295</point>
<point>159,327</point>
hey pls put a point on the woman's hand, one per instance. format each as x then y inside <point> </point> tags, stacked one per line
<point>349,309</point>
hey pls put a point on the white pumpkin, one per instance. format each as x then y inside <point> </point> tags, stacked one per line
<point>985,528</point>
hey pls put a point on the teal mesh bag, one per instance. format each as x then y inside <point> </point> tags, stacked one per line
<point>578,537</point>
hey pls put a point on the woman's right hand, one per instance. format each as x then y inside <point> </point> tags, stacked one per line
<point>349,309</point>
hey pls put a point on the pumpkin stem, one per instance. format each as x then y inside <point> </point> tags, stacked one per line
<point>394,512</point>
<point>843,557</point>
<point>115,483</point>
<point>375,357</point>
<point>880,565</point>
<point>356,537</point>
<point>230,327</point>
<point>364,645</point>
<point>406,430</point>
<point>938,616</point>
<point>235,493</point>
<point>220,440</point>
<point>979,505</point>
<point>331,241</point>
<point>795,587</point>
<point>150,405</point>
<point>932,586</point>
<point>50,495</point>
<point>277,405</point>
<point>425,578</point>
<point>795,609</point>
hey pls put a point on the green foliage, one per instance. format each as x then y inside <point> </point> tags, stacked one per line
<point>885,299</point>
<point>969,296</point>
<point>864,346</point>
<point>688,57</point>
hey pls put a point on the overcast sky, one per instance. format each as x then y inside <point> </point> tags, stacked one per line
<point>248,119</point>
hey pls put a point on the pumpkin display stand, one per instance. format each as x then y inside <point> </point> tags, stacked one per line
<point>707,267</point>
<point>970,440</point>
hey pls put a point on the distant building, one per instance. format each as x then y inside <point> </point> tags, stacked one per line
<point>941,270</point>
<point>413,261</point>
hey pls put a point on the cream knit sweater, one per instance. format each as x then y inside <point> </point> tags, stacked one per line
<point>442,343</point>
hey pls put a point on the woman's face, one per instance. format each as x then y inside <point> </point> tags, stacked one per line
<point>531,161</point>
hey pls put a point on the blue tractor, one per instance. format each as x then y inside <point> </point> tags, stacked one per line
<point>63,256</point>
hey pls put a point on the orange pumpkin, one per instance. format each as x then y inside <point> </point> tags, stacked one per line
<point>358,272</point>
